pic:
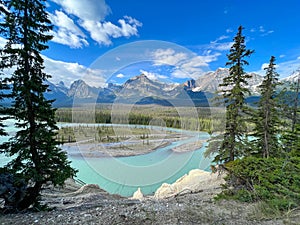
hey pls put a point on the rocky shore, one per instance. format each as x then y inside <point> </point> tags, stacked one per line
<point>176,205</point>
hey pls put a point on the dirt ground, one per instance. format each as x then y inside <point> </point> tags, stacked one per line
<point>91,205</point>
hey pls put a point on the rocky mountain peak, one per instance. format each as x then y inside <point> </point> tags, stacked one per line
<point>81,90</point>
<point>293,78</point>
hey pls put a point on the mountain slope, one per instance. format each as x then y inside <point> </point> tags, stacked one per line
<point>210,81</point>
<point>142,90</point>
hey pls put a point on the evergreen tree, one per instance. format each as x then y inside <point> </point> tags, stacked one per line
<point>266,119</point>
<point>3,87</point>
<point>291,114</point>
<point>37,159</point>
<point>296,89</point>
<point>234,92</point>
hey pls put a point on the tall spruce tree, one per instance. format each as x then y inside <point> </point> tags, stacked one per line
<point>296,89</point>
<point>234,92</point>
<point>266,118</point>
<point>3,86</point>
<point>37,159</point>
<point>291,114</point>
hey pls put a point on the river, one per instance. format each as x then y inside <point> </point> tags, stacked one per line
<point>123,175</point>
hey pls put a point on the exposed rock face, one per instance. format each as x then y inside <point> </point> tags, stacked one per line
<point>138,195</point>
<point>210,81</point>
<point>142,86</point>
<point>148,91</point>
<point>88,188</point>
<point>196,181</point>
<point>80,89</point>
<point>190,84</point>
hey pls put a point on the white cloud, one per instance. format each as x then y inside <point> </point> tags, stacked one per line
<point>262,30</point>
<point>90,15</point>
<point>220,38</point>
<point>67,32</point>
<point>120,75</point>
<point>102,32</point>
<point>284,69</point>
<point>185,65</point>
<point>229,30</point>
<point>267,33</point>
<point>221,46</point>
<point>168,56</point>
<point>264,65</point>
<point>68,72</point>
<point>282,56</point>
<point>153,76</point>
<point>95,10</point>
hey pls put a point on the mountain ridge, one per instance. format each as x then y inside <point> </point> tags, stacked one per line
<point>142,90</point>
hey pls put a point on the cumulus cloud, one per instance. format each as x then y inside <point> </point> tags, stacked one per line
<point>168,56</point>
<point>284,69</point>
<point>153,76</point>
<point>102,32</point>
<point>85,9</point>
<point>120,75</point>
<point>68,72</point>
<point>92,20</point>
<point>66,31</point>
<point>185,65</point>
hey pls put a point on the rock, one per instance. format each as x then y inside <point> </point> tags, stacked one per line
<point>195,181</point>
<point>89,188</point>
<point>138,195</point>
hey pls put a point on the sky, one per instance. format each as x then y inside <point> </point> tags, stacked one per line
<point>171,40</point>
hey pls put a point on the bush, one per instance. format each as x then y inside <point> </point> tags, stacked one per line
<point>275,181</point>
<point>12,189</point>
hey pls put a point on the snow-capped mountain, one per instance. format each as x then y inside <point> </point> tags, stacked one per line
<point>142,90</point>
<point>292,78</point>
<point>210,81</point>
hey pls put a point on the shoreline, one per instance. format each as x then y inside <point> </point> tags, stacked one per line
<point>110,152</point>
<point>130,147</point>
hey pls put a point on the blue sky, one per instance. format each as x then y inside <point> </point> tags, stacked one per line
<point>86,30</point>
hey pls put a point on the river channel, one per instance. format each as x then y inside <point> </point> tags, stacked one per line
<point>123,175</point>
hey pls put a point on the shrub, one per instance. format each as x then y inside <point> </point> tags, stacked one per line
<point>273,180</point>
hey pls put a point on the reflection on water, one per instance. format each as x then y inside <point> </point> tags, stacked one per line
<point>123,175</point>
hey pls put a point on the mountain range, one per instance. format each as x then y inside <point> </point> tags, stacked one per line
<point>142,90</point>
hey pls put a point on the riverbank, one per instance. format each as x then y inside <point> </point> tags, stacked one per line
<point>132,146</point>
<point>91,205</point>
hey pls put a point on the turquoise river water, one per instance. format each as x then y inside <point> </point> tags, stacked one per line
<point>123,175</point>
